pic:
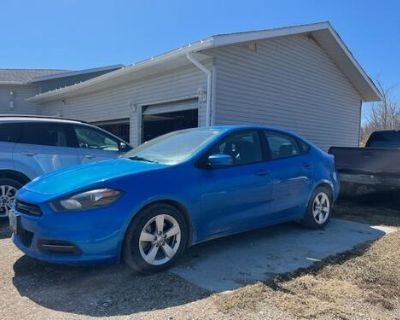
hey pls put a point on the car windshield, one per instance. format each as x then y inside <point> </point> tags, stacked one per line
<point>174,147</point>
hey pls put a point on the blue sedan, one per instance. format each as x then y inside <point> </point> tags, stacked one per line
<point>172,192</point>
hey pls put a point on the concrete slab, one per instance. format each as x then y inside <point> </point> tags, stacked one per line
<point>232,262</point>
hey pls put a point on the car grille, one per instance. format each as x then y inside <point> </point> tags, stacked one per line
<point>28,208</point>
<point>25,237</point>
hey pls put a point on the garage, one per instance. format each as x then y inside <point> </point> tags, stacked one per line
<point>163,118</point>
<point>302,78</point>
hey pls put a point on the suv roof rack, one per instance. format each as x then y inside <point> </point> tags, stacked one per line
<point>36,116</point>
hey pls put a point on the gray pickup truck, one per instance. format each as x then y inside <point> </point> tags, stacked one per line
<point>375,168</point>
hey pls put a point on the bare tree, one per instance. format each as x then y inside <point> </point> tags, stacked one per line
<point>385,114</point>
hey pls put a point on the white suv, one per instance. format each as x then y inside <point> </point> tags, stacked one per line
<point>31,146</point>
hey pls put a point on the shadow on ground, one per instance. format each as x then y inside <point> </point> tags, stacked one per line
<point>5,232</point>
<point>100,290</point>
<point>375,209</point>
<point>383,200</point>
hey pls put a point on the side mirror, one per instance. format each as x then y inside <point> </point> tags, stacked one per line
<point>123,147</point>
<point>220,160</point>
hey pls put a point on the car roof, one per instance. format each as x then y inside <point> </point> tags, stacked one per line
<point>250,126</point>
<point>24,118</point>
<point>32,118</point>
<point>233,128</point>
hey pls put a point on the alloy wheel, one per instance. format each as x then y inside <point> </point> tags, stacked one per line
<point>321,208</point>
<point>7,199</point>
<point>160,239</point>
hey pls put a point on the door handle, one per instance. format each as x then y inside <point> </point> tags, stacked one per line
<point>30,154</point>
<point>262,173</point>
<point>89,156</point>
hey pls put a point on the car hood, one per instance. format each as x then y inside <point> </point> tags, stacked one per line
<point>83,176</point>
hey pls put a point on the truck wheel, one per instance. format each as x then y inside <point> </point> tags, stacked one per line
<point>155,239</point>
<point>8,190</point>
<point>319,208</point>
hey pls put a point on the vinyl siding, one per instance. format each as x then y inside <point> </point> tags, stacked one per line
<point>287,82</point>
<point>21,106</point>
<point>116,102</point>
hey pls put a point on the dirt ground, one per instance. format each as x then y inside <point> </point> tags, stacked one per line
<point>363,284</point>
<point>375,209</point>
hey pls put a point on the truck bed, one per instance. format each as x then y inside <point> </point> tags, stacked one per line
<point>367,160</point>
<point>368,166</point>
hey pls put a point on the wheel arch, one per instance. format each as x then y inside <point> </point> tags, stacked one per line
<point>174,203</point>
<point>15,175</point>
<point>326,184</point>
<point>185,212</point>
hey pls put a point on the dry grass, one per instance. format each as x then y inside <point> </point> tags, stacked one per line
<point>364,284</point>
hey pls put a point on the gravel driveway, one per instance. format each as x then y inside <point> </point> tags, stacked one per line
<point>31,289</point>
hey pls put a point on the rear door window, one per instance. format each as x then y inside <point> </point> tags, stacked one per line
<point>10,132</point>
<point>46,134</point>
<point>282,145</point>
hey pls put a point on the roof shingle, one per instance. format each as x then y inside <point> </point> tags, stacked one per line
<point>25,75</point>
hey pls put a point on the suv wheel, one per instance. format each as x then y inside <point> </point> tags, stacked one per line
<point>8,190</point>
<point>155,239</point>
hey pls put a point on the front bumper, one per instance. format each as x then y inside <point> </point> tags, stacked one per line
<point>70,238</point>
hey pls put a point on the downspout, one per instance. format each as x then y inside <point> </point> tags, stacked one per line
<point>209,86</point>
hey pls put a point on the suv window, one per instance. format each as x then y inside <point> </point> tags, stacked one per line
<point>282,145</point>
<point>95,139</point>
<point>243,147</point>
<point>10,132</point>
<point>46,134</point>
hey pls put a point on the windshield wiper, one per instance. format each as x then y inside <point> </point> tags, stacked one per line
<point>142,159</point>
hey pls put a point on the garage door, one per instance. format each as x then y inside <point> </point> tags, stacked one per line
<point>163,118</point>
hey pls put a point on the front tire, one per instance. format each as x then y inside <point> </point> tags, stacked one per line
<point>319,208</point>
<point>155,239</point>
<point>8,190</point>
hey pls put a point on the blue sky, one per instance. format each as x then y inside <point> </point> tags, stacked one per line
<point>75,34</point>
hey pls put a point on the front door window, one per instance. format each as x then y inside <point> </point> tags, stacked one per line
<point>95,139</point>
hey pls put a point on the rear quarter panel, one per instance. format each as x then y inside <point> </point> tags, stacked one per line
<point>325,172</point>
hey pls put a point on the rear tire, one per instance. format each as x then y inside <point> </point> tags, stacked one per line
<point>319,209</point>
<point>155,239</point>
<point>8,190</point>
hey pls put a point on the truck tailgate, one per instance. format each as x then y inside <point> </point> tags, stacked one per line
<point>367,160</point>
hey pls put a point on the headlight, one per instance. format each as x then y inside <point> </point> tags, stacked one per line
<point>86,200</point>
